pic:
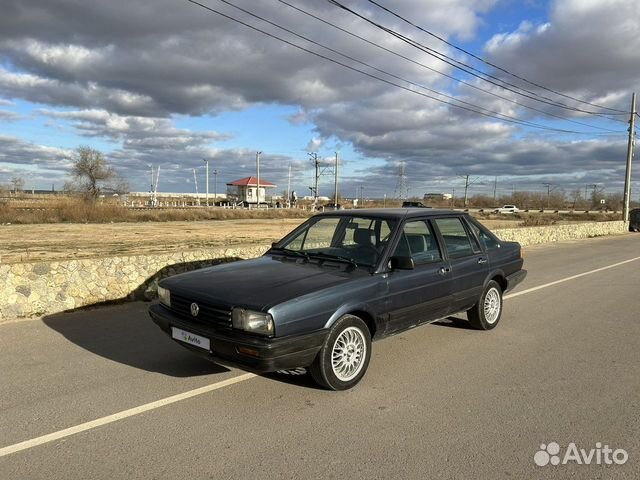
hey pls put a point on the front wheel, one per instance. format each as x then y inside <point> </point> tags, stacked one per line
<point>485,314</point>
<point>344,357</point>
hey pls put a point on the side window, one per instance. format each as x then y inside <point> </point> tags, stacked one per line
<point>418,242</point>
<point>455,236</point>
<point>488,241</point>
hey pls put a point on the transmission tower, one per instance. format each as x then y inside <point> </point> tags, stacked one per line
<point>402,188</point>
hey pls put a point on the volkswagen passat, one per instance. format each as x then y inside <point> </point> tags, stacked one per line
<point>320,295</point>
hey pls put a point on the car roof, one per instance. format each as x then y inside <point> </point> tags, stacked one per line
<point>396,213</point>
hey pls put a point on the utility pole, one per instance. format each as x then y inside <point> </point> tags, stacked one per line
<point>594,186</point>
<point>548,185</point>
<point>316,177</point>
<point>627,178</point>
<point>335,197</point>
<point>495,188</point>
<point>206,174</point>
<point>466,188</point>
<point>215,186</point>
<point>258,178</point>
<point>195,182</point>
<point>288,202</point>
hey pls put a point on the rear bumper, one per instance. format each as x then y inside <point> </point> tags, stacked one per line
<point>272,354</point>
<point>514,279</point>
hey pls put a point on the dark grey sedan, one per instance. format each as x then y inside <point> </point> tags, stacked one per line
<point>320,295</point>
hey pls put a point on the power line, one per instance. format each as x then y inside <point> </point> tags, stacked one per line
<point>460,49</point>
<point>450,97</point>
<point>370,75</point>
<point>475,87</point>
<point>468,68</point>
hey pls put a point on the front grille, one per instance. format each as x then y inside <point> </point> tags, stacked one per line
<point>209,314</point>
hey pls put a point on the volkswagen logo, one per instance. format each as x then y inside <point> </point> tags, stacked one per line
<point>195,309</point>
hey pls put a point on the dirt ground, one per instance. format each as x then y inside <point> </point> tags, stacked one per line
<point>29,243</point>
<point>46,242</point>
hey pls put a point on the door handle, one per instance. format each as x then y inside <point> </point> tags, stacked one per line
<point>482,260</point>
<point>444,270</point>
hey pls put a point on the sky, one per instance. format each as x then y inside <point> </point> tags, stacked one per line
<point>168,83</point>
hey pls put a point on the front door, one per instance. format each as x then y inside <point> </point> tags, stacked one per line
<point>424,293</point>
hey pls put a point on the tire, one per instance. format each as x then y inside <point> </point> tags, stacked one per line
<point>347,369</point>
<point>486,314</point>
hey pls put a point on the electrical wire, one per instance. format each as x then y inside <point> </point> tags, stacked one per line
<point>450,97</point>
<point>463,82</point>
<point>460,49</point>
<point>370,75</point>
<point>467,68</point>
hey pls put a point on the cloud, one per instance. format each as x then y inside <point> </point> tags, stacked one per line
<point>588,48</point>
<point>10,116</point>
<point>124,72</point>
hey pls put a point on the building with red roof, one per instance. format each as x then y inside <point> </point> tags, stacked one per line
<point>244,190</point>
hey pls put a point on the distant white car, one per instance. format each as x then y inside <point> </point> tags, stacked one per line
<point>507,209</point>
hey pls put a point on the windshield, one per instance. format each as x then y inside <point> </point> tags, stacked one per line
<point>361,240</point>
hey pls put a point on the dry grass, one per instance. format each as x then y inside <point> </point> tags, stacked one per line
<point>70,210</point>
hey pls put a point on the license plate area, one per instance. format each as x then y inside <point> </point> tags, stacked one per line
<point>191,338</point>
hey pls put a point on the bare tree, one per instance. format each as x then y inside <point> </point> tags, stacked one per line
<point>575,197</point>
<point>91,172</point>
<point>17,183</point>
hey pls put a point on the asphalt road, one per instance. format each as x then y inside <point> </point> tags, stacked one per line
<point>439,401</point>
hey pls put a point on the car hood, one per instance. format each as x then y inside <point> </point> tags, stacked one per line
<point>258,283</point>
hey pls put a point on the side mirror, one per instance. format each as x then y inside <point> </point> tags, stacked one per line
<point>273,244</point>
<point>401,263</point>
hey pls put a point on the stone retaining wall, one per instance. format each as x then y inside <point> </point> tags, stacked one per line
<point>557,233</point>
<point>35,289</point>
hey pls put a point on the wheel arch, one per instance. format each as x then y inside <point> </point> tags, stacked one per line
<point>499,277</point>
<point>361,311</point>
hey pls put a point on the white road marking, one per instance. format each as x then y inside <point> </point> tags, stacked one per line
<point>573,277</point>
<point>83,427</point>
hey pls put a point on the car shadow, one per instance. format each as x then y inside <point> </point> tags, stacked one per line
<point>125,334</point>
<point>454,322</point>
<point>298,377</point>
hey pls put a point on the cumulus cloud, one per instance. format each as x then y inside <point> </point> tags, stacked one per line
<point>587,48</point>
<point>127,70</point>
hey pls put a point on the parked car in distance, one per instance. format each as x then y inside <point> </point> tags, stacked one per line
<point>634,220</point>
<point>414,205</point>
<point>320,295</point>
<point>507,209</point>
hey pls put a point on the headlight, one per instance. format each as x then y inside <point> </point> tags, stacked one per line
<point>253,322</point>
<point>165,296</point>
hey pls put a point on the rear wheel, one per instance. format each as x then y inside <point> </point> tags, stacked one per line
<point>344,357</point>
<point>486,314</point>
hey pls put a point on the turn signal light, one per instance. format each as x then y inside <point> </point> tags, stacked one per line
<point>248,351</point>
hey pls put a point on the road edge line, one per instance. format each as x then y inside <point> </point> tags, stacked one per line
<point>83,427</point>
<point>573,277</point>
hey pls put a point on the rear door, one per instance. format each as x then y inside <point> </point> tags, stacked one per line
<point>468,262</point>
<point>424,293</point>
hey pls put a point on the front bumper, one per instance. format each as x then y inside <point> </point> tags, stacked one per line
<point>514,279</point>
<point>273,354</point>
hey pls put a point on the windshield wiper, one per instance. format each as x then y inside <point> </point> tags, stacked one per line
<point>286,251</point>
<point>338,258</point>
